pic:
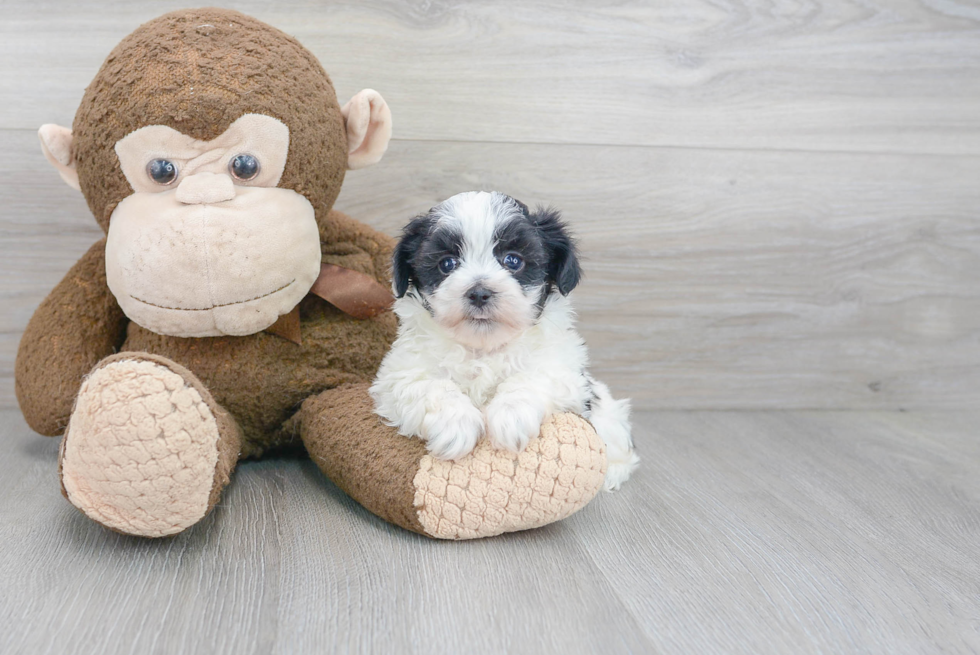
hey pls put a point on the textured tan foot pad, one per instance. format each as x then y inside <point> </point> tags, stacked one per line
<point>492,491</point>
<point>141,449</point>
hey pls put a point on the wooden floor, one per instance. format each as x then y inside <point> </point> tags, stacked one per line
<point>744,532</point>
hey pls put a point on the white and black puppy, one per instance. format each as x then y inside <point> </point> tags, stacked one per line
<point>486,339</point>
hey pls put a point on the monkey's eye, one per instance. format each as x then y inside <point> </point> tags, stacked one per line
<point>513,261</point>
<point>448,264</point>
<point>162,171</point>
<point>244,167</point>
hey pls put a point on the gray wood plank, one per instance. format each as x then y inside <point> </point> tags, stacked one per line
<point>754,532</point>
<point>286,564</point>
<point>801,533</point>
<point>714,278</point>
<point>391,591</point>
<point>895,75</point>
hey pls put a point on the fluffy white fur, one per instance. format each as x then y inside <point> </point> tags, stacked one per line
<point>455,373</point>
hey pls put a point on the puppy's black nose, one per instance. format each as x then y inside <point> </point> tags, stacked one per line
<point>479,295</point>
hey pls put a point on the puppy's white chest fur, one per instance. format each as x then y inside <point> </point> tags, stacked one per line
<point>542,345</point>
<point>550,352</point>
<point>478,377</point>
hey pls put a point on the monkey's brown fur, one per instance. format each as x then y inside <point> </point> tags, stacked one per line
<point>197,71</point>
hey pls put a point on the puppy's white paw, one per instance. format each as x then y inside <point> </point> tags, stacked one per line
<point>512,422</point>
<point>619,469</point>
<point>451,432</point>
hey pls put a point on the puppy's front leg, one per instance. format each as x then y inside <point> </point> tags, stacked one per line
<point>515,414</point>
<point>434,410</point>
<point>452,424</point>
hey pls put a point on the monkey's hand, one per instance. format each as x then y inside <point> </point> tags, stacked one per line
<point>77,325</point>
<point>354,245</point>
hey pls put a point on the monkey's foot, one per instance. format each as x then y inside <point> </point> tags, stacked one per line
<point>486,493</point>
<point>147,450</point>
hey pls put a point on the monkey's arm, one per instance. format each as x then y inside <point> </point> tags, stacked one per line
<point>77,325</point>
<point>352,244</point>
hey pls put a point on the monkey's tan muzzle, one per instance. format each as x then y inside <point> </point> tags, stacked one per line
<point>194,262</point>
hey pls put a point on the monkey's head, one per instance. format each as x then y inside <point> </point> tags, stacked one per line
<point>210,147</point>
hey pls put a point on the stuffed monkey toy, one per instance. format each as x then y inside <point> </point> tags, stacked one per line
<point>231,313</point>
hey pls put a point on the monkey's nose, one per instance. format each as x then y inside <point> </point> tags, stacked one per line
<point>205,189</point>
<point>479,295</point>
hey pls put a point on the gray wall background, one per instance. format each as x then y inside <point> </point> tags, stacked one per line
<point>779,203</point>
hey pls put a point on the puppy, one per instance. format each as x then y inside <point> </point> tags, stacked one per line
<point>486,340</point>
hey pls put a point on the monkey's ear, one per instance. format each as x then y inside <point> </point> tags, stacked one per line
<point>56,146</point>
<point>368,122</point>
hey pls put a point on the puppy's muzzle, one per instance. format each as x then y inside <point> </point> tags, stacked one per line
<point>479,296</point>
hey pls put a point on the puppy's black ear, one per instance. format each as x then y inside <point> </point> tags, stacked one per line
<point>402,271</point>
<point>563,268</point>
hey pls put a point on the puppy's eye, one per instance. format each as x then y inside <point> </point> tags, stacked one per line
<point>162,171</point>
<point>448,264</point>
<point>513,261</point>
<point>244,167</point>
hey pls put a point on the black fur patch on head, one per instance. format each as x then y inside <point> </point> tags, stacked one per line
<point>444,240</point>
<point>524,209</point>
<point>423,245</point>
<point>564,271</point>
<point>520,236</point>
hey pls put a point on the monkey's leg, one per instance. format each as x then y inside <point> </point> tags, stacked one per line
<point>486,493</point>
<point>147,450</point>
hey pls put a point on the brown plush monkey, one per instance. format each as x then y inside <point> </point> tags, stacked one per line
<point>230,312</point>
